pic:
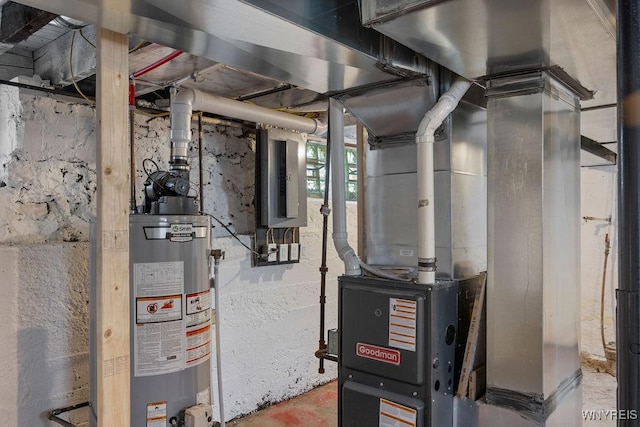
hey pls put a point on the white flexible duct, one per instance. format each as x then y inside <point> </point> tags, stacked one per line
<point>426,214</point>
<point>188,100</point>
<point>340,236</point>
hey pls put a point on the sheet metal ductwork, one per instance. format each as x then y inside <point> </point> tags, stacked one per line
<point>483,38</point>
<point>391,114</point>
<point>314,45</point>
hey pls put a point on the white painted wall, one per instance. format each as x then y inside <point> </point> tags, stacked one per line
<point>269,316</point>
<point>599,196</point>
<point>43,357</point>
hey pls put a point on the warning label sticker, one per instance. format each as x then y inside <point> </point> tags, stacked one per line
<point>152,279</point>
<point>158,309</point>
<point>198,345</point>
<point>402,324</point>
<point>159,336</point>
<point>395,415</point>
<point>199,302</point>
<point>159,348</point>
<point>157,414</point>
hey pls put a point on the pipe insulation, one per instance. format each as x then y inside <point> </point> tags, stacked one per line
<point>188,100</point>
<point>338,199</point>
<point>425,138</point>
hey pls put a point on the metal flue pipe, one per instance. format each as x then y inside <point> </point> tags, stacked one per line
<point>340,236</point>
<point>425,138</point>
<point>628,293</point>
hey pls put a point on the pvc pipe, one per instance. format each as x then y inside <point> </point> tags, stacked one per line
<point>426,214</point>
<point>340,236</point>
<point>216,291</point>
<point>188,100</point>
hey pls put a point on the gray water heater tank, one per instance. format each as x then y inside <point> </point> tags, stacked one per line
<point>170,318</point>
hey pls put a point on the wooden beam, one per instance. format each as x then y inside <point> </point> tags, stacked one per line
<point>478,383</point>
<point>112,293</point>
<point>18,62</point>
<point>18,22</point>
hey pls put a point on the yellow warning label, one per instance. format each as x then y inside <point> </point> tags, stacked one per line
<point>157,414</point>
<point>395,415</point>
<point>402,324</point>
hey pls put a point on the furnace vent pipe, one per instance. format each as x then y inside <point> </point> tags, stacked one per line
<point>188,100</point>
<point>338,196</point>
<point>425,138</point>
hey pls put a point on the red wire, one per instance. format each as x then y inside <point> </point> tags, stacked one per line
<point>156,64</point>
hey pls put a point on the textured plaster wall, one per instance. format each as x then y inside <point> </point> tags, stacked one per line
<point>47,199</point>
<point>598,200</point>
<point>43,359</point>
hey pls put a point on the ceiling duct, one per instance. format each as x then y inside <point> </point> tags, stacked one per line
<point>310,44</point>
<point>392,112</point>
<point>480,38</point>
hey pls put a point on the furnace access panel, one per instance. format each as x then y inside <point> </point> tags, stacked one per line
<point>397,353</point>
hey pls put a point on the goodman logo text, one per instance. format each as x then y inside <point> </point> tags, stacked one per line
<point>380,354</point>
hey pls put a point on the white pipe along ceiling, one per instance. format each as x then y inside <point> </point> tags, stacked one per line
<point>188,100</point>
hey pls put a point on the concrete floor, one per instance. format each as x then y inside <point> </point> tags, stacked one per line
<point>318,408</point>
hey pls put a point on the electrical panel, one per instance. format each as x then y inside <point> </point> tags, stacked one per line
<point>281,178</point>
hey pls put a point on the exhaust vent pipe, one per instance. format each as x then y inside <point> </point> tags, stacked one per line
<point>426,213</point>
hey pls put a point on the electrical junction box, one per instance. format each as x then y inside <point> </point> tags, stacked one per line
<point>272,252</point>
<point>294,253</point>
<point>198,416</point>
<point>283,252</point>
<point>281,172</point>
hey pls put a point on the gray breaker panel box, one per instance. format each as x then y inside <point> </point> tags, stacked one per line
<point>397,347</point>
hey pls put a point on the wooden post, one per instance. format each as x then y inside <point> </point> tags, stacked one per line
<point>112,293</point>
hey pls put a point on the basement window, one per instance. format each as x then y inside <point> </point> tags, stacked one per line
<point>316,161</point>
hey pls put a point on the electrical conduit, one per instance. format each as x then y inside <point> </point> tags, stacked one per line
<point>425,138</point>
<point>340,236</point>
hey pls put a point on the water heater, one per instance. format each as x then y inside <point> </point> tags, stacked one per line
<point>170,321</point>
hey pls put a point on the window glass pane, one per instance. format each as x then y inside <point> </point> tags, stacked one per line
<point>316,160</point>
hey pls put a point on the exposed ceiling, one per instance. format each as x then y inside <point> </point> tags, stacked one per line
<point>282,54</point>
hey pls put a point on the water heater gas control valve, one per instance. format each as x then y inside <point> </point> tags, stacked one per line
<point>198,416</point>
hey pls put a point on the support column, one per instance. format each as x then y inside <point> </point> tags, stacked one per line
<point>533,294</point>
<point>628,293</point>
<point>112,292</point>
